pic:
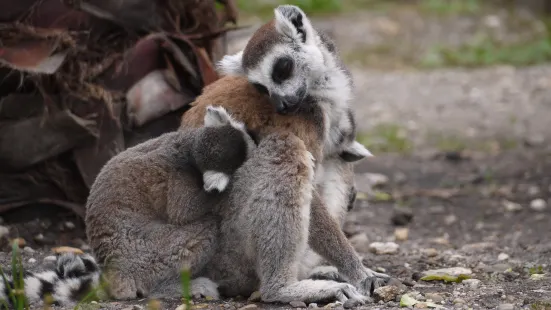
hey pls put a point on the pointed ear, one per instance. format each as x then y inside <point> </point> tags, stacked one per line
<point>354,152</point>
<point>216,116</point>
<point>292,22</point>
<point>231,64</point>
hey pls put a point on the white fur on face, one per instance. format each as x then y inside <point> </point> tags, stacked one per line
<point>231,65</point>
<point>215,180</point>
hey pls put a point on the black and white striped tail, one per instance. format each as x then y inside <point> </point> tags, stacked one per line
<point>74,277</point>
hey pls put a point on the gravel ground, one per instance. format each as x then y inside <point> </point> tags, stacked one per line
<point>473,211</point>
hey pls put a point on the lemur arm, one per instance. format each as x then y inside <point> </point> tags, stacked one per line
<point>187,200</point>
<point>328,240</point>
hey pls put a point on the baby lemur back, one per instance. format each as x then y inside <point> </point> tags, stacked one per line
<point>150,202</point>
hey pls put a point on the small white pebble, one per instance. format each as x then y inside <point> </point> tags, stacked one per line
<point>32,260</point>
<point>70,225</point>
<point>502,256</point>
<point>28,250</point>
<point>538,204</point>
<point>50,259</point>
<point>4,231</point>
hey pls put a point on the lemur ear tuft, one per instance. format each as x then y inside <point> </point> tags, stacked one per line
<point>354,152</point>
<point>216,116</point>
<point>290,21</point>
<point>231,64</point>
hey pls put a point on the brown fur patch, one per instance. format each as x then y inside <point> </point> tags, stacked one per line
<point>260,44</point>
<point>249,106</point>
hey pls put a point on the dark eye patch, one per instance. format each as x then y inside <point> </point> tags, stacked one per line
<point>261,88</point>
<point>283,68</point>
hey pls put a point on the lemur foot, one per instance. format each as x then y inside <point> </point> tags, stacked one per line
<point>204,287</point>
<point>123,287</point>
<point>326,273</point>
<point>373,281</point>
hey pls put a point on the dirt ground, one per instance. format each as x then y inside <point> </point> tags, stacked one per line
<point>487,210</point>
<point>459,219</point>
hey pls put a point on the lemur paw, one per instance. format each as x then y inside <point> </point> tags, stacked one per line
<point>326,273</point>
<point>123,287</point>
<point>350,296</point>
<point>213,180</point>
<point>373,281</point>
<point>204,287</point>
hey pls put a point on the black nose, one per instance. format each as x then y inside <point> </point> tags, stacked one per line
<point>286,104</point>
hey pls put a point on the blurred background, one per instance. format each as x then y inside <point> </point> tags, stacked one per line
<point>438,73</point>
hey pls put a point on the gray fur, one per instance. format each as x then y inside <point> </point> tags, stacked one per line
<point>263,236</point>
<point>148,215</point>
<point>317,67</point>
<point>274,211</point>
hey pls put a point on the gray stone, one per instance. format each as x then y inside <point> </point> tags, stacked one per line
<point>538,205</point>
<point>387,293</point>
<point>381,248</point>
<point>297,304</point>
<point>502,257</point>
<point>472,283</point>
<point>4,231</point>
<point>454,271</point>
<point>435,297</point>
<point>511,206</point>
<point>506,307</point>
<point>360,242</point>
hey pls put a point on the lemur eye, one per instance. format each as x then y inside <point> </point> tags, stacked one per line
<point>283,69</point>
<point>261,88</point>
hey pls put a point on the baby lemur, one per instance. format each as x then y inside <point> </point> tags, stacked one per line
<point>151,210</point>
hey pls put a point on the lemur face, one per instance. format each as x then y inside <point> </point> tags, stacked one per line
<point>282,59</point>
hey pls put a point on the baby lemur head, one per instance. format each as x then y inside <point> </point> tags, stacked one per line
<point>287,59</point>
<point>221,147</point>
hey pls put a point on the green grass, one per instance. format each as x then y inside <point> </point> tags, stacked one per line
<point>385,138</point>
<point>487,52</point>
<point>447,7</point>
<point>265,9</point>
<point>185,277</point>
<point>17,292</point>
<point>457,143</point>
